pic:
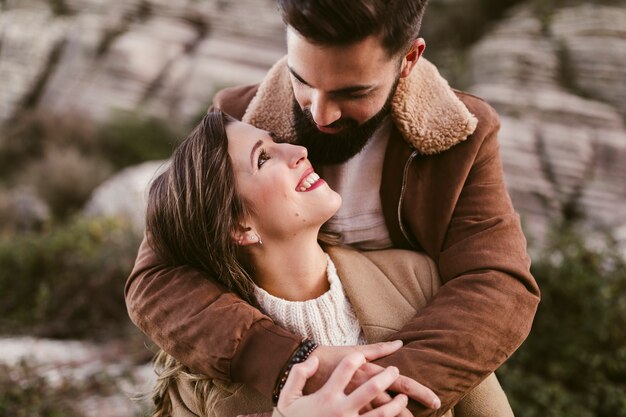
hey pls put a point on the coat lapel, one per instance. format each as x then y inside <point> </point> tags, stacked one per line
<point>381,309</point>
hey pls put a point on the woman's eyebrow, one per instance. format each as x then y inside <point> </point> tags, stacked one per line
<point>254,148</point>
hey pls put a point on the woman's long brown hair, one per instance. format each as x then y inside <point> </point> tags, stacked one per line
<point>193,207</point>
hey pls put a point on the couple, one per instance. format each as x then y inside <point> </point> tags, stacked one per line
<point>417,166</point>
<point>249,210</point>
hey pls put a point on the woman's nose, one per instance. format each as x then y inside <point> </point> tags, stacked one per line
<point>297,154</point>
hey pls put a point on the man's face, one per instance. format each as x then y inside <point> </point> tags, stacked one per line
<point>342,94</point>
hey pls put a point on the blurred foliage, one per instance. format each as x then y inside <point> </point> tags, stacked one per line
<point>25,393</point>
<point>65,157</point>
<point>26,138</point>
<point>460,23</point>
<point>574,362</point>
<point>130,138</point>
<point>67,281</point>
<point>65,178</point>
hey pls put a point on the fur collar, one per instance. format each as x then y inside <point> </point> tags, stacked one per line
<point>426,111</point>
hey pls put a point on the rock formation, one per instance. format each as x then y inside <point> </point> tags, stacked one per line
<point>125,194</point>
<point>559,85</point>
<point>166,58</point>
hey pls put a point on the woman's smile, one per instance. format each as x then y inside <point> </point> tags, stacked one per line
<point>310,180</point>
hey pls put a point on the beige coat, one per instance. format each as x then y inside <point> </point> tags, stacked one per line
<point>386,289</point>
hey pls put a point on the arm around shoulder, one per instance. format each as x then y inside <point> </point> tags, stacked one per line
<point>485,308</point>
<point>204,326</point>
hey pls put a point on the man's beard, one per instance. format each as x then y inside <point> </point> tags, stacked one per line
<point>328,149</point>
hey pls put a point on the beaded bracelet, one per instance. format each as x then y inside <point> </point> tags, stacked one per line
<point>301,354</point>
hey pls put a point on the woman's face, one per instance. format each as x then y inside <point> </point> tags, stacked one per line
<point>277,181</point>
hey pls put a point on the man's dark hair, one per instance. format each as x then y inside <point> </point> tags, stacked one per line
<point>344,22</point>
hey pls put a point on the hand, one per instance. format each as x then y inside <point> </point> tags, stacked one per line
<point>331,399</point>
<point>330,356</point>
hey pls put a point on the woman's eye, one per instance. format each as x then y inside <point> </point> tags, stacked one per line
<point>263,158</point>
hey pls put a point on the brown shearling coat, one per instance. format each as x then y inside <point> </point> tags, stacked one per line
<point>442,192</point>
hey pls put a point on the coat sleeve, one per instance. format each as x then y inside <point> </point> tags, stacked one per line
<point>194,319</point>
<point>207,328</point>
<point>485,308</point>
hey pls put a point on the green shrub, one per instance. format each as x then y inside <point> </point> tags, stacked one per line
<point>57,156</point>
<point>65,178</point>
<point>65,157</point>
<point>125,139</point>
<point>129,139</point>
<point>26,138</point>
<point>25,392</point>
<point>574,362</point>
<point>67,281</point>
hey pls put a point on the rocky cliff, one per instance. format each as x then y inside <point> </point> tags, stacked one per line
<point>559,84</point>
<point>164,57</point>
<point>557,79</point>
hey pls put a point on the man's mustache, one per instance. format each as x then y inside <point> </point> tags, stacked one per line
<point>340,123</point>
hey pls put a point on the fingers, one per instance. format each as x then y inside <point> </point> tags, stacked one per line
<point>379,350</point>
<point>395,407</point>
<point>374,388</point>
<point>343,373</point>
<point>416,391</point>
<point>296,381</point>
<point>382,399</point>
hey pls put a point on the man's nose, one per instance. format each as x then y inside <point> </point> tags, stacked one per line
<point>324,110</point>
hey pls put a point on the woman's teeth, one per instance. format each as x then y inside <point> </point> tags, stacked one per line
<point>306,183</point>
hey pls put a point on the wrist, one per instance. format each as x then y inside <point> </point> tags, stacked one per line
<point>307,346</point>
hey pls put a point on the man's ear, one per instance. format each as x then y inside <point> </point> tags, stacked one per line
<point>245,236</point>
<point>412,56</point>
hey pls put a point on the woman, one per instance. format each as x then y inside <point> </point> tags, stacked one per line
<point>249,210</point>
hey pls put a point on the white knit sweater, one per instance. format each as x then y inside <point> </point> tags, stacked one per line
<point>328,319</point>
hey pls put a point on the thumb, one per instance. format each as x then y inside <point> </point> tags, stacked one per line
<point>296,381</point>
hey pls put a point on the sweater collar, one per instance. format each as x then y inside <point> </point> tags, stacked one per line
<point>426,111</point>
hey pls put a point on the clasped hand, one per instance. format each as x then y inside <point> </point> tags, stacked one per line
<point>343,382</point>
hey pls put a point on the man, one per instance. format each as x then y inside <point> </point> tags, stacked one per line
<point>417,166</point>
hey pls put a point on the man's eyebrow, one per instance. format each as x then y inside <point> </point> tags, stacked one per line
<point>254,148</point>
<point>297,76</point>
<point>345,90</point>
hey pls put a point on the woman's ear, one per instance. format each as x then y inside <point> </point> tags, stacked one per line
<point>245,236</point>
